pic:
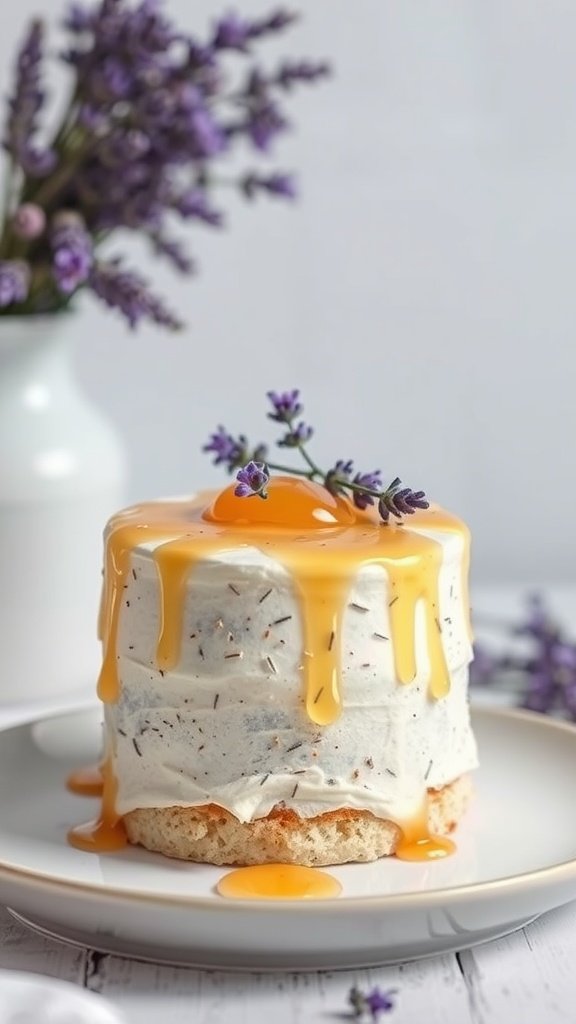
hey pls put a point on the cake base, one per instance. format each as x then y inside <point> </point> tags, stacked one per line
<point>211,835</point>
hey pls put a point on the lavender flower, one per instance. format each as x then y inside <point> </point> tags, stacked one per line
<point>173,251</point>
<point>297,436</point>
<point>152,110</point>
<point>227,449</point>
<point>264,123</point>
<point>293,73</point>
<point>14,282</point>
<point>234,33</point>
<point>373,481</point>
<point>29,221</point>
<point>548,674</point>
<point>25,104</point>
<point>400,501</point>
<point>127,291</point>
<point>72,254</point>
<point>340,475</point>
<point>281,185</point>
<point>379,1002</point>
<point>195,203</point>
<point>374,1002</point>
<point>286,405</point>
<point>252,480</point>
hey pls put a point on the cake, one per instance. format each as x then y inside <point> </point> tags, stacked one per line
<point>283,680</point>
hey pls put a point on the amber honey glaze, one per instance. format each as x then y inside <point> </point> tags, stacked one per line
<point>278,882</point>
<point>321,540</point>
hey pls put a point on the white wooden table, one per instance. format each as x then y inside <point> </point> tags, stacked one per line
<point>526,978</point>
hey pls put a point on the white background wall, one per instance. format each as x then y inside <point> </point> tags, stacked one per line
<point>422,293</point>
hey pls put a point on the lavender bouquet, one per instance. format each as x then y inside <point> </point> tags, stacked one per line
<point>152,114</point>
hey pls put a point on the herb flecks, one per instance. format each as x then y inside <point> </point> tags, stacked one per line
<point>252,465</point>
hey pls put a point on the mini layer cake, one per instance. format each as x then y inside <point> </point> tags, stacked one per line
<point>284,680</point>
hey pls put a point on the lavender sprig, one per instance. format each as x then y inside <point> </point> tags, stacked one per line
<point>127,291</point>
<point>25,105</point>
<point>374,1003</point>
<point>366,489</point>
<point>547,674</point>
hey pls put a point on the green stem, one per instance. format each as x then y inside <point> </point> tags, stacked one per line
<point>288,469</point>
<point>314,468</point>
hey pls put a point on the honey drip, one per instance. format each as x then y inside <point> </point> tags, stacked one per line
<point>87,781</point>
<point>417,843</point>
<point>279,882</point>
<point>295,525</point>
<point>106,833</point>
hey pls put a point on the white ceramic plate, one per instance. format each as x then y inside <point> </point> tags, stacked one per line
<point>516,858</point>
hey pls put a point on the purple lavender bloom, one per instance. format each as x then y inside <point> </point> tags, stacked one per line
<point>37,162</point>
<point>129,293</point>
<point>371,480</point>
<point>78,19</point>
<point>25,104</point>
<point>234,33</point>
<point>209,139</point>
<point>172,250</point>
<point>151,110</point>
<point>294,72</point>
<point>264,123</point>
<point>227,449</point>
<point>342,470</point>
<point>195,203</point>
<point>541,692</point>
<point>112,80</point>
<point>72,253</point>
<point>400,501</point>
<point>286,405</point>
<point>278,184</point>
<point>275,22</point>
<point>379,1002</point>
<point>231,33</point>
<point>14,282</point>
<point>29,221</point>
<point>252,480</point>
<point>296,436</point>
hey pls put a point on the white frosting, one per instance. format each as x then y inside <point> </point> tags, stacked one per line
<point>234,732</point>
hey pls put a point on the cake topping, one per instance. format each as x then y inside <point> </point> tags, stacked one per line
<point>253,467</point>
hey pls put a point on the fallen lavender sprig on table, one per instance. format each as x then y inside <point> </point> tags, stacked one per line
<point>546,675</point>
<point>152,115</point>
<point>252,465</point>
<point>373,1003</point>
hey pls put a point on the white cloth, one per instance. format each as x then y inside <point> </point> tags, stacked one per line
<point>34,999</point>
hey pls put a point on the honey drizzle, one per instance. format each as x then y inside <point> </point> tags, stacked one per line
<point>417,843</point>
<point>187,533</point>
<point>278,882</point>
<point>88,781</point>
<point>106,833</point>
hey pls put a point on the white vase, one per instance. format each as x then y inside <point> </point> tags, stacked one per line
<point>61,476</point>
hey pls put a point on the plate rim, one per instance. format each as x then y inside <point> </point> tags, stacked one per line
<point>529,880</point>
